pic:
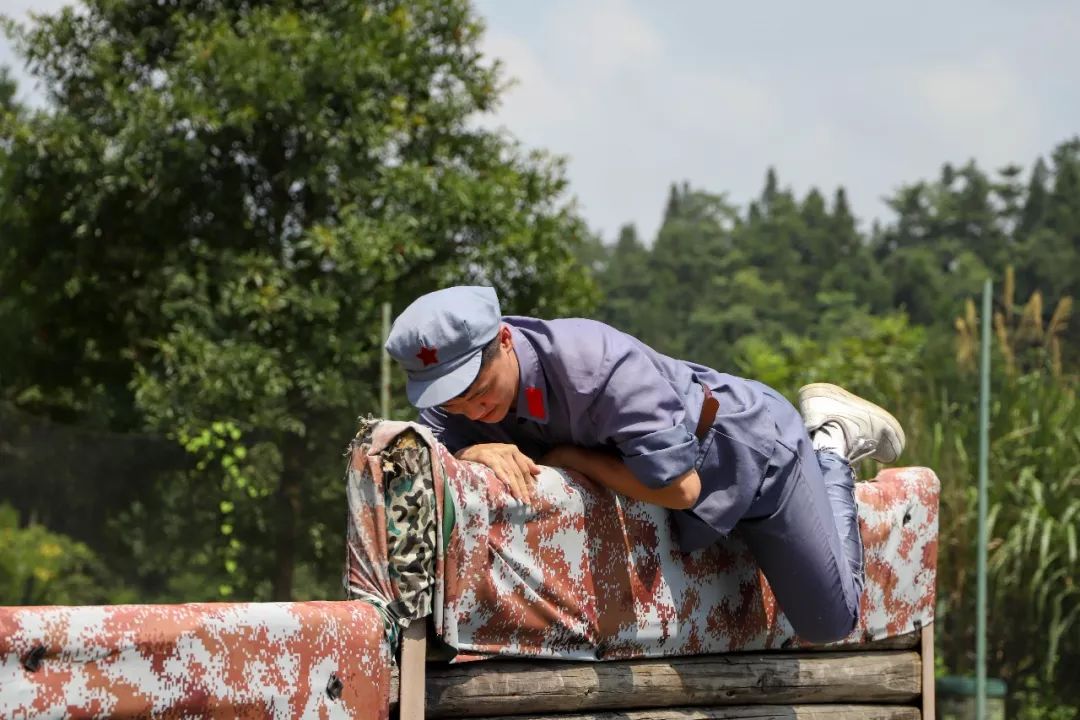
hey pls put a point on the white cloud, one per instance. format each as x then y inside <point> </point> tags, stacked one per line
<point>605,37</point>
<point>535,96</point>
<point>597,82</point>
<point>718,104</point>
<point>983,99</point>
<point>20,9</point>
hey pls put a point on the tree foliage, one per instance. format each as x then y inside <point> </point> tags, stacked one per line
<point>202,226</point>
<point>8,87</point>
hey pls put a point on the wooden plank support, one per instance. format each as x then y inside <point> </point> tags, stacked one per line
<point>750,712</point>
<point>928,683</point>
<point>413,652</point>
<point>506,687</point>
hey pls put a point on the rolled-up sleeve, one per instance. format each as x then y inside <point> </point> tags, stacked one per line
<point>636,408</point>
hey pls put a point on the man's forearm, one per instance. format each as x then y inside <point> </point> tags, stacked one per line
<point>611,472</point>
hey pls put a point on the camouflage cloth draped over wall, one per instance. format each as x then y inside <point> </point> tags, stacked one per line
<point>586,575</point>
<point>393,551</point>
<point>265,660</point>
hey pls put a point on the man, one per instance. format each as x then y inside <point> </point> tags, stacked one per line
<point>720,451</point>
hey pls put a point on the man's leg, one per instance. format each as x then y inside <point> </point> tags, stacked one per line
<point>839,481</point>
<point>817,578</point>
<point>846,429</point>
<point>805,531</point>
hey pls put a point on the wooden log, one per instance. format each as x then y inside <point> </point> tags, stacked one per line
<point>515,687</point>
<point>749,712</point>
<point>908,641</point>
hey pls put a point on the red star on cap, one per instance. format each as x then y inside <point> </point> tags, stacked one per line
<point>427,355</point>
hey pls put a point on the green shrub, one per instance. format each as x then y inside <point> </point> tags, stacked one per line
<point>38,567</point>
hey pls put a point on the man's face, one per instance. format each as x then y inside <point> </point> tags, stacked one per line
<point>492,394</point>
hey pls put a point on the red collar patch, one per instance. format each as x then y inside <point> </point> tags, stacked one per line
<point>428,355</point>
<point>535,400</point>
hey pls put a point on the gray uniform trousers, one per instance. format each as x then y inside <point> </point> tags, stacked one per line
<point>804,532</point>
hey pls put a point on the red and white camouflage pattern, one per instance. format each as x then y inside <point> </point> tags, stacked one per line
<point>586,575</point>
<point>227,660</point>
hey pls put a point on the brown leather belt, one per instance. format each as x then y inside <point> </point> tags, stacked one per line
<point>708,413</point>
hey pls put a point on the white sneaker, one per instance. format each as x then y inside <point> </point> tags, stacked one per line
<point>869,430</point>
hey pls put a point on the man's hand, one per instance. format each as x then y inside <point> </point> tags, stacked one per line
<point>511,466</point>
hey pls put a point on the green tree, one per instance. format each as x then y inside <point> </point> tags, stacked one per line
<point>765,283</point>
<point>8,88</point>
<point>1033,215</point>
<point>946,237</point>
<point>837,259</point>
<point>8,331</point>
<point>202,227</point>
<point>1009,192</point>
<point>626,279</point>
<point>1063,213</point>
<point>692,248</point>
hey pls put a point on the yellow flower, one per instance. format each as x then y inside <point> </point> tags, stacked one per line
<point>49,550</point>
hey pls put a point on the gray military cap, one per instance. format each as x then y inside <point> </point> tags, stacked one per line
<point>439,340</point>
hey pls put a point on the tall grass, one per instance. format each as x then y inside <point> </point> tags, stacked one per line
<point>1034,495</point>
<point>1034,510</point>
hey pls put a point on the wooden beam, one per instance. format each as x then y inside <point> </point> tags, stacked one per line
<point>497,687</point>
<point>750,712</point>
<point>908,641</point>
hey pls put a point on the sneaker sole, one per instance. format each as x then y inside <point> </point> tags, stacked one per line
<point>835,392</point>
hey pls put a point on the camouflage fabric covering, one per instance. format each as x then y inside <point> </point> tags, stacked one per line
<point>237,660</point>
<point>587,575</point>
<point>393,524</point>
<point>411,524</point>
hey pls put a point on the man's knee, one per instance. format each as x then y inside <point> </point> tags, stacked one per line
<point>826,628</point>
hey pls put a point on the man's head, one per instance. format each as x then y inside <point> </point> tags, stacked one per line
<point>457,353</point>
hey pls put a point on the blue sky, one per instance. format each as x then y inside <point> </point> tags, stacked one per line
<point>637,94</point>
